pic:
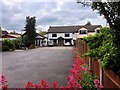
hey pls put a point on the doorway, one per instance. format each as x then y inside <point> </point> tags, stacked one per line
<point>60,41</point>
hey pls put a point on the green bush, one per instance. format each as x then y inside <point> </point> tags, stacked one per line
<point>8,45</point>
<point>26,40</point>
<point>17,44</point>
<point>101,47</point>
<point>5,48</point>
<point>87,79</point>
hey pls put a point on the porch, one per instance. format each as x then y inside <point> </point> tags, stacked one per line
<point>62,42</point>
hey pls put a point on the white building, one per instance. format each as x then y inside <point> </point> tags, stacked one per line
<point>62,35</point>
<point>40,40</point>
<point>66,35</point>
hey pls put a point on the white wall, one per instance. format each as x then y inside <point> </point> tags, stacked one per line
<point>61,35</point>
<point>81,35</point>
<point>74,36</point>
<point>45,42</point>
<point>0,39</point>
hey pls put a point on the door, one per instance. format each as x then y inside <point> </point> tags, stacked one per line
<point>60,41</point>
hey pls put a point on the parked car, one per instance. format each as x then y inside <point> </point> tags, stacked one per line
<point>67,43</point>
<point>50,43</point>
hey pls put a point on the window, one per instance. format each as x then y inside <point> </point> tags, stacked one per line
<point>67,34</point>
<point>83,31</point>
<point>44,41</point>
<point>54,35</point>
<point>97,31</point>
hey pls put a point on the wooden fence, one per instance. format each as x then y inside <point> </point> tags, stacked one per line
<point>107,77</point>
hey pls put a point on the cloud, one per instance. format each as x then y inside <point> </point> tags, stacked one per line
<point>47,13</point>
<point>65,15</point>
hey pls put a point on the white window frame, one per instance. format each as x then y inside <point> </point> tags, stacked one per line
<point>68,34</point>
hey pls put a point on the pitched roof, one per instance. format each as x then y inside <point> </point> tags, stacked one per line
<point>9,36</point>
<point>39,36</point>
<point>61,29</point>
<point>90,28</point>
<point>5,32</point>
<point>68,29</point>
<point>14,33</point>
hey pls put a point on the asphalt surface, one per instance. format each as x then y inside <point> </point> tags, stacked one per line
<point>48,63</point>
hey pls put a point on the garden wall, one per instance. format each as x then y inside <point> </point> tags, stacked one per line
<point>107,77</point>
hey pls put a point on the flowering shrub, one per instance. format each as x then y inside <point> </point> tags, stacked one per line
<point>80,77</point>
<point>3,82</point>
<point>85,77</point>
<point>97,84</point>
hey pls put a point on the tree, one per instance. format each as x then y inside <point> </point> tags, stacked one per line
<point>43,33</point>
<point>111,12</point>
<point>30,31</point>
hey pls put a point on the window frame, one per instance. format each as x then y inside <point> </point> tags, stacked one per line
<point>54,35</point>
<point>80,32</point>
<point>97,31</point>
<point>67,34</point>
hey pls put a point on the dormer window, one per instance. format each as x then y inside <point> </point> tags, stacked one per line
<point>83,32</point>
<point>97,30</point>
<point>67,34</point>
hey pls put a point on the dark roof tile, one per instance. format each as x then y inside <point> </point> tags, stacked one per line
<point>68,29</point>
<point>61,29</point>
<point>5,32</point>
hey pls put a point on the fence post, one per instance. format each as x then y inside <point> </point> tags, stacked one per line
<point>101,73</point>
<point>90,64</point>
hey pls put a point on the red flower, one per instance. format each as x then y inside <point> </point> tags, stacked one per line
<point>62,88</point>
<point>43,84</point>
<point>76,67</point>
<point>67,87</point>
<point>54,85</point>
<point>71,78</point>
<point>97,84</point>
<point>77,85</point>
<point>71,84</point>
<point>37,86</point>
<point>78,57</point>
<point>74,73</point>
<point>3,79</point>
<point>3,82</point>
<point>4,87</point>
<point>96,81</point>
<point>101,86</point>
<point>29,85</point>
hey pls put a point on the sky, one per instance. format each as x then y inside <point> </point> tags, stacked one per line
<point>47,13</point>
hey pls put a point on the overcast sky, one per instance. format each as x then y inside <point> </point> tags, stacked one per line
<point>47,13</point>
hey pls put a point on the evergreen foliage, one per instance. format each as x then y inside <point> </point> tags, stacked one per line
<point>30,31</point>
